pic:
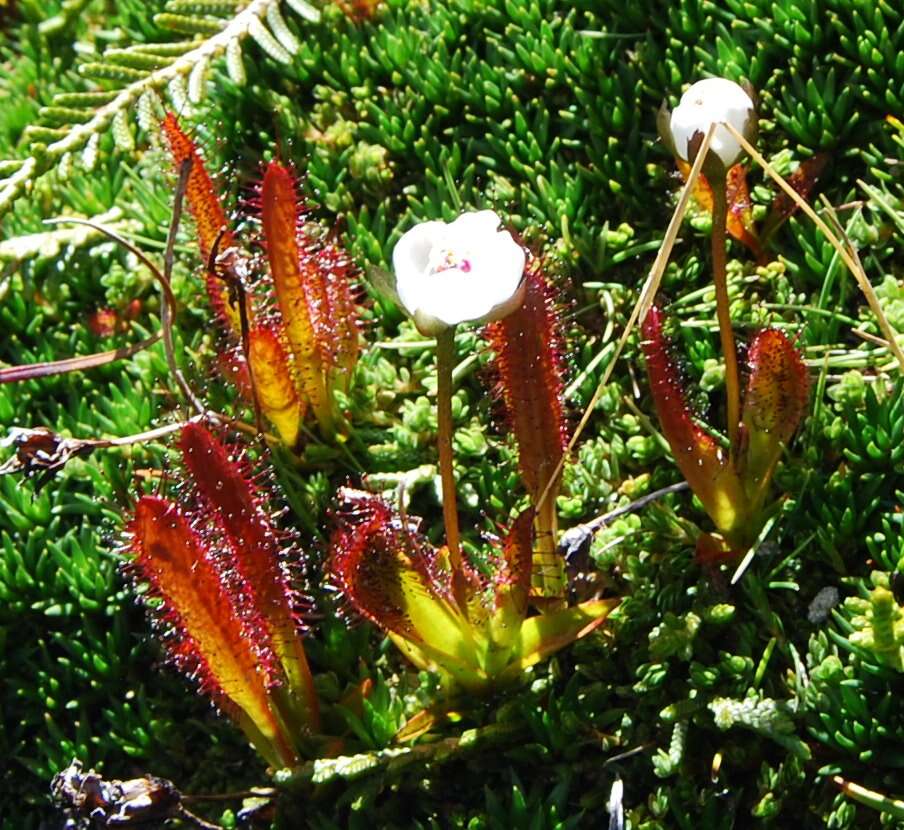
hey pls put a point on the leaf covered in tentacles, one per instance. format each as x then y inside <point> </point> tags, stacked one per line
<point>301,343</point>
<point>529,363</point>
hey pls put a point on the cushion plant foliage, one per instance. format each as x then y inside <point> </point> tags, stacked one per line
<point>716,693</point>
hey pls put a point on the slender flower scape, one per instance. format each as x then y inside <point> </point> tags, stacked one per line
<point>529,365</point>
<point>713,103</point>
<point>227,605</point>
<point>476,636</point>
<point>733,486</point>
<point>302,344</point>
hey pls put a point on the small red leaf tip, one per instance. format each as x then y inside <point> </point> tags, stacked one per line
<point>207,210</point>
<point>529,361</point>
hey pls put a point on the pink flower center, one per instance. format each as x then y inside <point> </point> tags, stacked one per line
<point>449,261</point>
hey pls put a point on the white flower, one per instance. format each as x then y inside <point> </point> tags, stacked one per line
<point>468,270</point>
<point>715,100</point>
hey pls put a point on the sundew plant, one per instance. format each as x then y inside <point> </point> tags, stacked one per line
<point>451,414</point>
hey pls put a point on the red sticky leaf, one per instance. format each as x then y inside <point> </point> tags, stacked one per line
<point>775,401</point>
<point>203,200</point>
<point>210,218</point>
<point>530,369</point>
<point>279,217</point>
<point>238,511</point>
<point>337,322</point>
<point>528,358</point>
<point>368,550</point>
<point>210,638</point>
<point>698,455</point>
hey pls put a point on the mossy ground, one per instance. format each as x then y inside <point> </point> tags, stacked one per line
<point>717,705</point>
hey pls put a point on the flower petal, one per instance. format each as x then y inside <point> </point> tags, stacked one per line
<point>410,261</point>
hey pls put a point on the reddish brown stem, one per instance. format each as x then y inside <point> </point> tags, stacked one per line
<point>445,359</point>
<point>726,334</point>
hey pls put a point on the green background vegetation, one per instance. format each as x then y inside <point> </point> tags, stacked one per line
<point>544,110</point>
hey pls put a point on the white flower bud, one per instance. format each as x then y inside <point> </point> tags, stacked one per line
<point>714,100</point>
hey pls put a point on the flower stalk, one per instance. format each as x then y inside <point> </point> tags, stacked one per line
<point>445,361</point>
<point>723,311</point>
